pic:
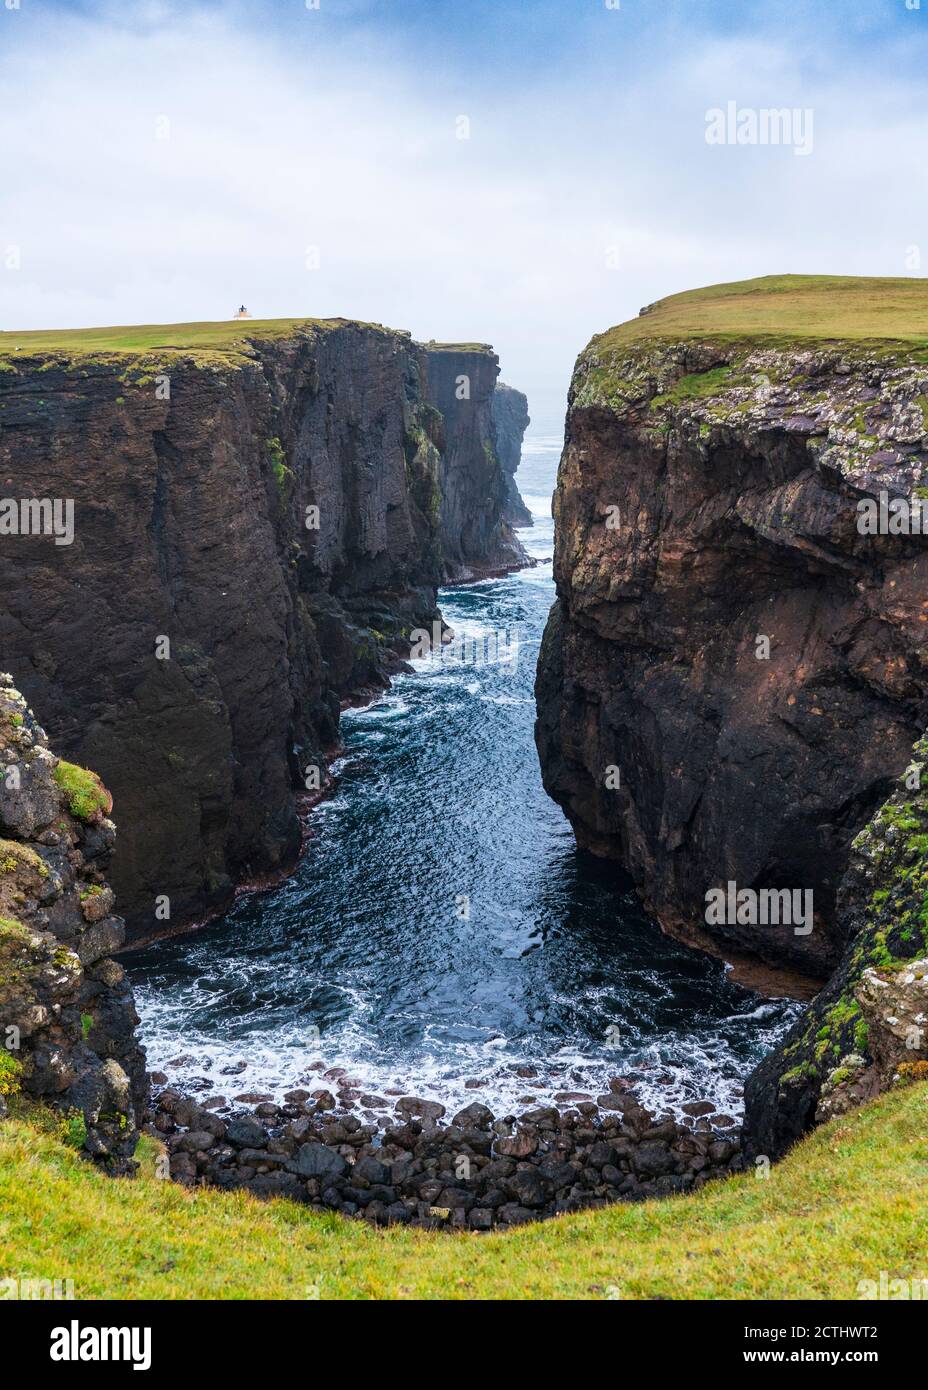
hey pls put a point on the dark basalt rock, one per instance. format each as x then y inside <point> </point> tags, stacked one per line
<point>244,1131</point>
<point>511,420</point>
<point>317,1161</point>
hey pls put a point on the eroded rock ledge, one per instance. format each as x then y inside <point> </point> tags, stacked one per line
<point>707,498</point>
<point>281,512</point>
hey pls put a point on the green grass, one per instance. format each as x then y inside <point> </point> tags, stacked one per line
<point>458,347</point>
<point>848,1202</point>
<point>695,387</point>
<point>232,335</point>
<point>10,1073</point>
<point>223,341</point>
<point>282,474</point>
<point>786,306</point>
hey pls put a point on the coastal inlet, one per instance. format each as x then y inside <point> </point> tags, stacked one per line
<point>442,936</point>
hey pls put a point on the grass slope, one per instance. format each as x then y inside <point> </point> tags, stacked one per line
<point>786,307</point>
<point>848,1202</point>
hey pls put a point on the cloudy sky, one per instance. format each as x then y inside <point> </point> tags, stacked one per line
<point>521,172</point>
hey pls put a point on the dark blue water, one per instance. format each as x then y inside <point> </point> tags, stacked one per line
<point>442,927</point>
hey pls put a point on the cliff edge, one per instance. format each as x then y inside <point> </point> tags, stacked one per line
<point>867,1031</point>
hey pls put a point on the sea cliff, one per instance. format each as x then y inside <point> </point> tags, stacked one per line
<point>735,671</point>
<point>262,514</point>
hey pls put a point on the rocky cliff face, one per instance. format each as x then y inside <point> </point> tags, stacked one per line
<point>476,534</point>
<point>67,1019</point>
<point>734,674</point>
<point>511,420</point>
<point>256,531</point>
<point>868,1028</point>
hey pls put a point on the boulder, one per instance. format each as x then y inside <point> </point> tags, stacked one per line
<point>318,1161</point>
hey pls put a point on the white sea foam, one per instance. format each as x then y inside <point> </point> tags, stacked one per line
<point>665,1077</point>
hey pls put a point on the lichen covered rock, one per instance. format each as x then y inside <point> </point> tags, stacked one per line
<point>894,1003</point>
<point>67,1019</point>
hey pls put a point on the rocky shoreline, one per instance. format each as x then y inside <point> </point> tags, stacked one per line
<point>399,1160</point>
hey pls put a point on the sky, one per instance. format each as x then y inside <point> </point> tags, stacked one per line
<point>524,174</point>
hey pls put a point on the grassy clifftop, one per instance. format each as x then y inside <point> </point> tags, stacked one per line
<point>731,342</point>
<point>846,1204</point>
<point>824,307</point>
<point>222,338</point>
<point>230,336</point>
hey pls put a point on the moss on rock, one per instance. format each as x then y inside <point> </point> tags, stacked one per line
<point>85,793</point>
<point>10,1073</point>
